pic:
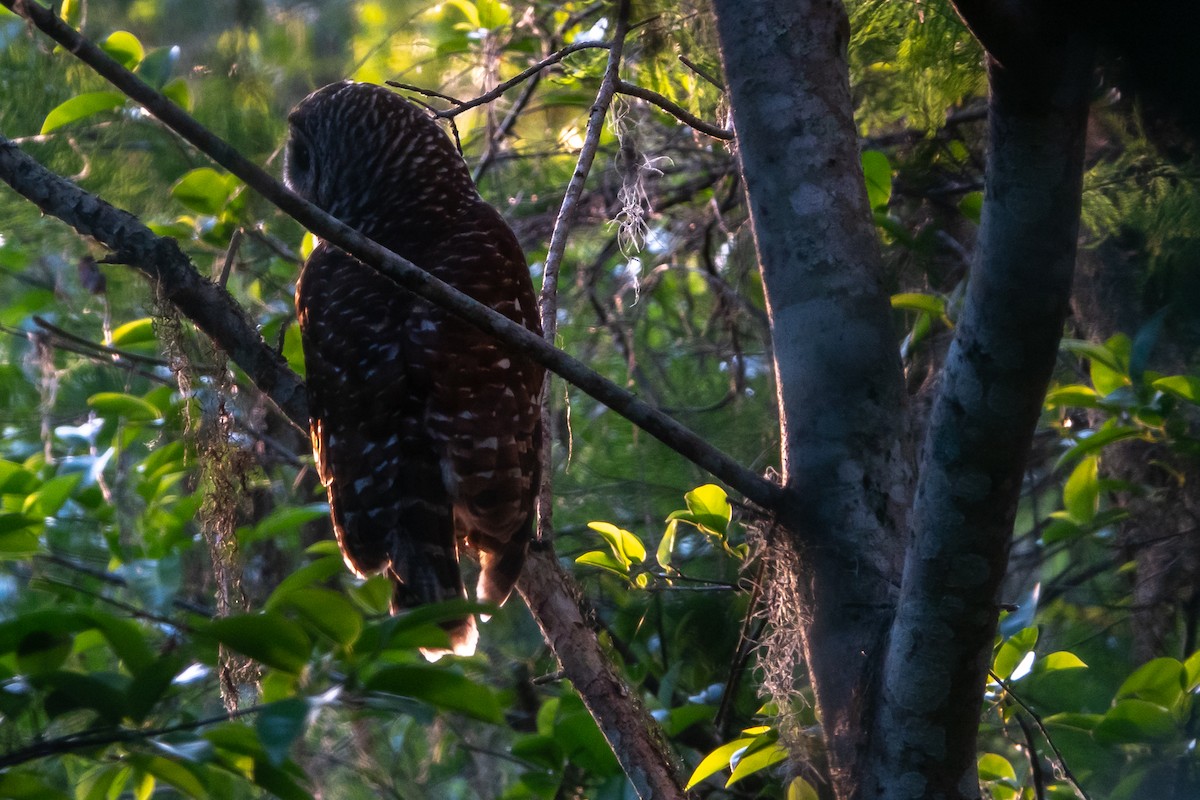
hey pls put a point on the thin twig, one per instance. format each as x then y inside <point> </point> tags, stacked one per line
<point>1060,763</point>
<point>703,73</point>
<point>94,347</point>
<point>675,110</point>
<point>1035,760</point>
<point>82,741</point>
<point>465,105</point>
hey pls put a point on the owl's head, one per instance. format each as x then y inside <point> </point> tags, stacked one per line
<point>374,160</point>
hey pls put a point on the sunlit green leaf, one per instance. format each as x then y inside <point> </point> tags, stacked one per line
<point>762,753</point>
<point>1185,387</point>
<point>914,301</point>
<point>1096,441</point>
<point>708,509</point>
<point>877,171</point>
<point>603,560</point>
<point>175,773</point>
<point>717,760</point>
<point>81,106</point>
<point>1062,659</point>
<point>138,331</point>
<point>1074,396</point>
<point>971,206</point>
<point>1081,495</point>
<point>204,190</point>
<point>626,547</point>
<point>1013,651</point>
<point>995,767</point>
<point>124,48</point>
<point>666,547</point>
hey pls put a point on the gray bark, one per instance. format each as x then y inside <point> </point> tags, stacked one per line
<point>845,466</point>
<point>981,428</point>
<point>900,696</point>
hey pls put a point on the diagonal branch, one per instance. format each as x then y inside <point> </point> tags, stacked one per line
<point>404,273</point>
<point>167,268</point>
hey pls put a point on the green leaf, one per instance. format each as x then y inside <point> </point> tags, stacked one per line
<point>1161,681</point>
<point>1185,387</point>
<point>284,521</point>
<point>150,684</point>
<point>971,206</point>
<point>1093,352</point>
<point>765,751</point>
<point>124,48</point>
<point>627,547</point>
<point>914,301</point>
<point>680,719</point>
<point>156,68</point>
<point>70,692</point>
<point>708,509</point>
<point>52,496</point>
<point>320,570</point>
<point>72,12</point>
<point>1013,651</point>
<point>1073,396</point>
<point>1135,721</point>
<point>171,772</point>
<point>717,760</point>
<point>43,651</point>
<point>25,786</point>
<point>177,92</point>
<point>15,479</point>
<point>439,688</point>
<point>139,331</point>
<point>116,404</point>
<point>18,544</point>
<point>1192,667</point>
<point>1062,659</point>
<point>1081,495</point>
<point>1081,722</point>
<point>279,725</point>
<point>877,172</point>
<point>204,190</point>
<point>80,107</point>
<point>269,638</point>
<point>603,560</point>
<point>126,638</point>
<point>326,611</point>
<point>995,767</point>
<point>666,546</point>
<point>1108,433</point>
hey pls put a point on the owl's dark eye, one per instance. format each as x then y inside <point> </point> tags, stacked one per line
<point>298,164</point>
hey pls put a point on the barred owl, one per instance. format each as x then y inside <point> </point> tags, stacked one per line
<point>425,431</point>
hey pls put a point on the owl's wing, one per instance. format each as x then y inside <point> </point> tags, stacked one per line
<point>485,409</point>
<point>390,508</point>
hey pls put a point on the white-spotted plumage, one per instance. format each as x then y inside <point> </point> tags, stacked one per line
<point>425,431</point>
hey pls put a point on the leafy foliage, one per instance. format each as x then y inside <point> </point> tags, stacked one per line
<point>113,659</point>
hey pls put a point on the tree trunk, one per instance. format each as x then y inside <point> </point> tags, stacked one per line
<point>845,464</point>
<point>900,696</point>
